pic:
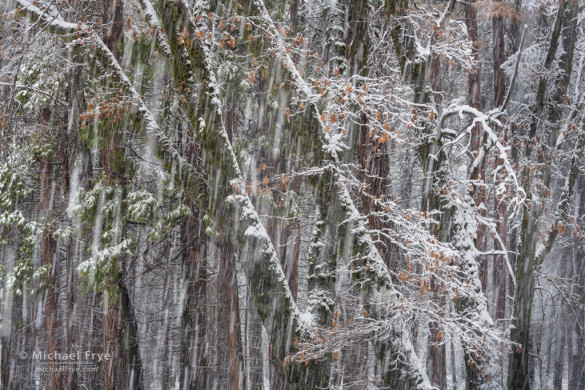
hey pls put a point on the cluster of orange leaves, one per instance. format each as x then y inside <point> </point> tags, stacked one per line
<point>108,109</point>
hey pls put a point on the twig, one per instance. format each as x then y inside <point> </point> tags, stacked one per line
<point>20,86</point>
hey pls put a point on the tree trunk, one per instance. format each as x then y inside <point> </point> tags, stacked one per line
<point>76,100</point>
<point>195,352</point>
<point>48,257</point>
<point>255,367</point>
<point>113,15</point>
<point>477,171</point>
<point>9,303</point>
<point>528,256</point>
<point>48,245</point>
<point>501,206</point>
<point>229,317</point>
<point>575,358</point>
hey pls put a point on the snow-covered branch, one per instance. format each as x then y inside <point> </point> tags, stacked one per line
<point>74,32</point>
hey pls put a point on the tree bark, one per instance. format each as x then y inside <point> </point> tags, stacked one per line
<point>229,317</point>
<point>195,352</point>
<point>501,206</point>
<point>53,380</point>
<point>575,358</point>
<point>113,16</point>
<point>477,172</point>
<point>528,257</point>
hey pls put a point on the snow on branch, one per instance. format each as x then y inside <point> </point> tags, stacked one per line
<point>55,24</point>
<point>486,119</point>
<point>236,214</point>
<point>371,270</point>
<point>19,86</point>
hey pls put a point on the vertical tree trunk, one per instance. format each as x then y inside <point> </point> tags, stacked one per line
<point>195,351</point>
<point>76,100</point>
<point>7,366</point>
<point>375,168</point>
<point>436,358</point>
<point>575,357</point>
<point>133,360</point>
<point>528,257</point>
<point>113,13</point>
<point>255,369</point>
<point>477,172</point>
<point>124,370</point>
<point>501,206</point>
<point>119,324</point>
<point>9,303</point>
<point>115,376</point>
<point>436,355</point>
<point>48,257</point>
<point>71,377</point>
<point>48,245</point>
<point>229,316</point>
<point>558,355</point>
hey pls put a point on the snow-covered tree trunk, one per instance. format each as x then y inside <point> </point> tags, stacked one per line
<point>501,204</point>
